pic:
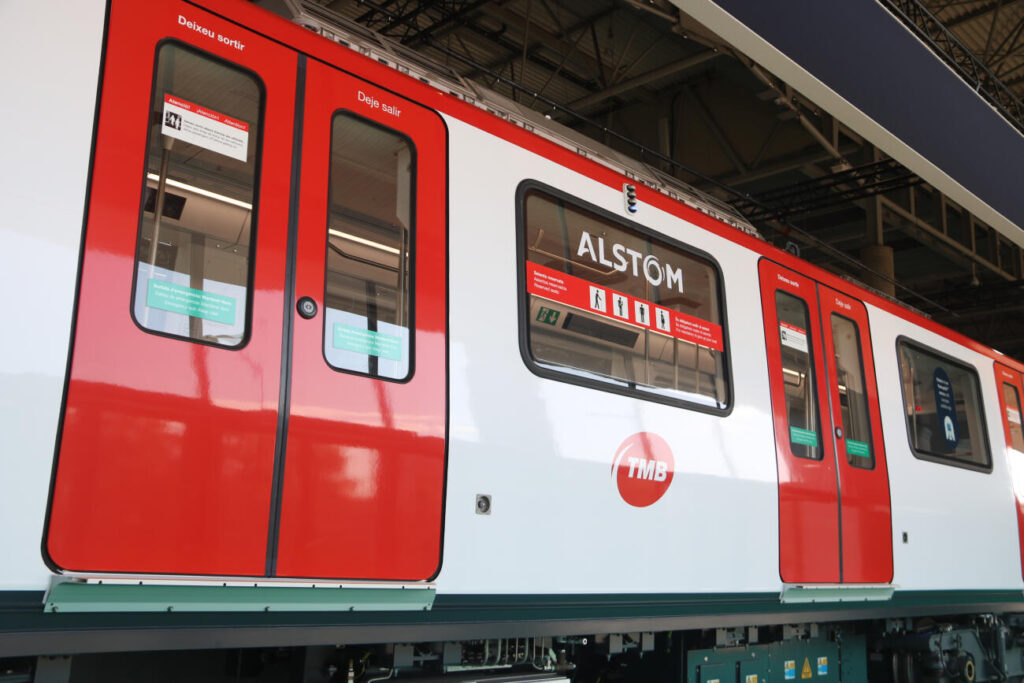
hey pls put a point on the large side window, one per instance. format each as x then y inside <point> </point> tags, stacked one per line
<point>611,305</point>
<point>195,243</point>
<point>942,401</point>
<point>369,233</point>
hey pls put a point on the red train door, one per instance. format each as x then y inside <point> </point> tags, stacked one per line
<point>834,508</point>
<point>1009,383</point>
<point>364,466</point>
<point>211,427</point>
<point>166,457</point>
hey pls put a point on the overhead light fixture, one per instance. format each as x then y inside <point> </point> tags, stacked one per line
<point>364,242</point>
<point>200,191</point>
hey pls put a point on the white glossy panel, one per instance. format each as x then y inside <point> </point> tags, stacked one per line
<point>544,449</point>
<point>50,80</point>
<point>961,525</point>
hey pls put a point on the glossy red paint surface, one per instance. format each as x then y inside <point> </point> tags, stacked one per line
<point>865,508</point>
<point>364,470</point>
<point>167,448</point>
<point>835,520</point>
<point>808,499</point>
<point>1005,375</point>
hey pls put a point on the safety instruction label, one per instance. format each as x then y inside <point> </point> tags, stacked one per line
<point>799,436</point>
<point>1013,415</point>
<point>789,667</point>
<point>196,125</point>
<point>858,449</point>
<point>793,337</point>
<point>573,291</point>
<point>823,666</point>
<point>196,303</point>
<point>370,342</point>
<point>750,678</point>
<point>548,316</point>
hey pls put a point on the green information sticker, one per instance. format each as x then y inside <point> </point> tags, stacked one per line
<point>858,448</point>
<point>803,437</point>
<point>369,342</point>
<point>548,316</point>
<point>168,296</point>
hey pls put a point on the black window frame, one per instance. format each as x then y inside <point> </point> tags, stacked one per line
<point>867,395</point>
<point>256,195</point>
<point>929,456</point>
<point>413,241</point>
<point>570,378</point>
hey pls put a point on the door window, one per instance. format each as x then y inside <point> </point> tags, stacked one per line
<point>801,388</point>
<point>195,241</point>
<point>1013,417</point>
<point>853,400</point>
<point>369,233</point>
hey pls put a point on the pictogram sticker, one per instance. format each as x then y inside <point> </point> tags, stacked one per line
<point>823,666</point>
<point>806,672</point>
<point>570,290</point>
<point>643,313</point>
<point>789,667</point>
<point>663,319</point>
<point>620,306</point>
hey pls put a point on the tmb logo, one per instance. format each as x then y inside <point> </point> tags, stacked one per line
<point>643,469</point>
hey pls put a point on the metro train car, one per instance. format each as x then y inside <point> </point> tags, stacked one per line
<point>330,359</point>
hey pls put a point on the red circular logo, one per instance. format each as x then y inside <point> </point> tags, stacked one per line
<point>643,469</point>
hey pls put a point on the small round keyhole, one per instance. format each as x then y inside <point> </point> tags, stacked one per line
<point>306,307</point>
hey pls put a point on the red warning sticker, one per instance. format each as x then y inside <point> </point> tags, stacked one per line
<point>643,469</point>
<point>197,125</point>
<point>579,293</point>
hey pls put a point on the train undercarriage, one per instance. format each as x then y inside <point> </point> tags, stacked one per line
<point>983,647</point>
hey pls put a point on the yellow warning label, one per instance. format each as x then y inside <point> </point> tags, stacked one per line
<point>806,671</point>
<point>751,678</point>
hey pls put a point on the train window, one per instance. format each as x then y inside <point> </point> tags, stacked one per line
<point>194,248</point>
<point>943,408</point>
<point>1013,416</point>
<point>797,350</point>
<point>611,306</point>
<point>369,233</point>
<point>853,400</point>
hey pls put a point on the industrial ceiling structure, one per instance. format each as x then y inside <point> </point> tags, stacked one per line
<point>648,80</point>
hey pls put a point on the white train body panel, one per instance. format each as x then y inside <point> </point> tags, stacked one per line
<point>958,531</point>
<point>545,455</point>
<point>47,110</point>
